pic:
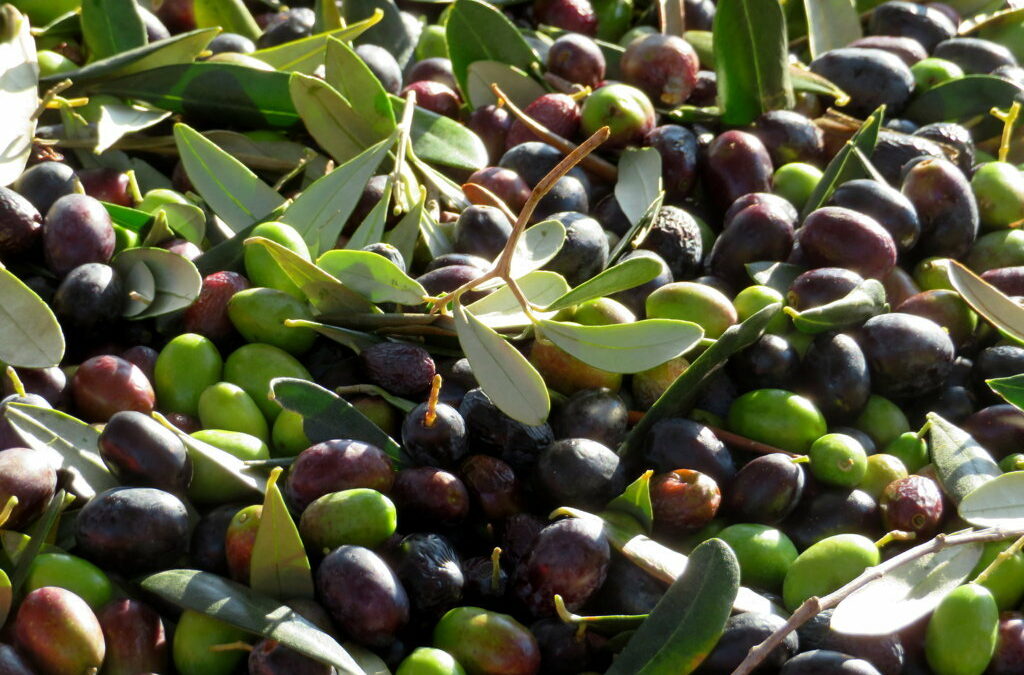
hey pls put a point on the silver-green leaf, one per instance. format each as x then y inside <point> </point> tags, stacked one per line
<point>624,347</point>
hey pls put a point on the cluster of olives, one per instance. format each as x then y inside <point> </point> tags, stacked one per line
<point>807,453</point>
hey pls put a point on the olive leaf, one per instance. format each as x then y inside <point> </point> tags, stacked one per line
<point>960,462</point>
<point>111,26</point>
<point>639,182</point>
<point>226,255</point>
<point>831,24</point>
<point>234,192</point>
<point>373,276</point>
<point>680,395</point>
<point>435,239</point>
<point>501,309</point>
<point>963,98</point>
<point>177,279</point>
<point>38,535</point>
<point>685,625</point>
<point>776,275</point>
<point>19,80</point>
<point>638,231</point>
<point>30,336</point>
<point>354,80</point>
<point>844,166</point>
<point>67,443</point>
<point>140,282</point>
<point>355,340</point>
<point>114,120</point>
<point>6,597</point>
<point>996,503</point>
<point>627,274</point>
<point>321,211</point>
<point>243,608</point>
<point>442,140</point>
<point>230,15</point>
<point>905,594</point>
<point>326,416</point>
<point>635,501</point>
<point>538,245</point>
<point>519,87</point>
<point>988,301</point>
<point>307,54</point>
<point>505,375</point>
<point>371,230</point>
<point>624,347</point>
<point>279,568</point>
<point>331,119</point>
<point>391,30</point>
<point>1010,388</point>
<point>866,300</point>
<point>128,218</point>
<point>327,16</point>
<point>751,59</point>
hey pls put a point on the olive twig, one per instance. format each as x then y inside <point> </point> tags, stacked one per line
<point>814,605</point>
<point>1002,557</point>
<point>750,445</point>
<point>478,194</point>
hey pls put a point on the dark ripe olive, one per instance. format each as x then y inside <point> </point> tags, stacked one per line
<point>9,437</point>
<point>628,589</point>
<point>429,570</point>
<point>143,357</point>
<point>428,496</point>
<point>737,163</point>
<point>998,428</point>
<point>927,25</point>
<point>365,598</point>
<point>107,185</point>
<point>837,237</point>
<point>451,259</point>
<point>382,64</point>
<point>208,315</point>
<point>678,443</point>
<point>562,650</point>
<point>90,294</point>
<point>609,213</point>
<point>790,137</point>
<point>141,451</point>
<point>435,97</point>
<point>676,237</point>
<point>585,251</point>
<point>207,550</point>
<point>270,657</point>
<point>446,279</point>
<point>777,203</point>
<point>974,55</point>
<point>516,536</point>
<point>1009,652</point>
<point>834,374</point>
<point>678,149</point>
<point>683,501</point>
<point>705,92</point>
<point>337,465</point>
<point>133,530</point>
<point>578,59</point>
<point>439,440</point>
<point>716,397</point>
<point>484,585</point>
<point>821,286</point>
<point>286,26</point>
<point>770,362</point>
<point>182,247</point>
<point>403,369</point>
<point>825,662</point>
<point>1011,73</point>
<point>907,49</point>
<point>231,42</point>
<point>663,66</point>
<point>945,308</point>
<point>505,183</point>
<point>946,207</point>
<point>13,663</point>
<point>899,286</point>
<point>1010,280</point>
<point>997,361</point>
<point>576,16</point>
<point>135,638</point>
<point>743,632</point>
<point>493,486</point>
<point>833,511</point>
<point>766,489</point>
<point>912,504</point>
<point>871,77</point>
<point>885,652</point>
<point>569,193</point>
<point>953,402</point>
<point>30,477</point>
<point>48,383</point>
<point>559,113</point>
<point>533,160</point>
<point>908,355</point>
<point>77,230</point>
<point>955,140</point>
<point>569,557</point>
<point>597,414</point>
<point>491,124</point>
<point>579,472</point>
<point>636,298</point>
<point>45,183</point>
<point>104,385</point>
<point>436,68</point>
<point>761,232</point>
<point>20,224</point>
<point>482,231</point>
<point>493,431</point>
<point>898,150</point>
<point>885,204</point>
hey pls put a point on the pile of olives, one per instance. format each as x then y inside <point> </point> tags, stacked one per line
<point>807,453</point>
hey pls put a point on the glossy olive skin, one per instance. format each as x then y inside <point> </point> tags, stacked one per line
<point>757,233</point>
<point>269,657</point>
<point>27,475</point>
<point>830,512</point>
<point>678,149</point>
<point>493,431</point>
<point>821,286</point>
<point>428,496</point>
<point>135,638</point>
<point>770,362</point>
<point>837,237</point>
<point>508,185</point>
<point>337,465</point>
<point>487,642</point>
<point>558,112</point>
<point>871,77</point>
<point>946,207</point>
<point>835,376</point>
<point>957,140</point>
<point>429,569</point>
<point>663,66</point>
<point>743,631</point>
<point>1009,645</point>
<point>678,443</point>
<point>947,309</point>
<point>482,231</point>
<point>569,557</point>
<point>737,163</point>
<point>927,25</point>
<point>974,55</point>
<point>596,414</point>
<point>20,224</point>
<point>790,137</point>
<point>208,315</point>
<point>133,530</point>
<point>104,385</point>
<point>683,500</point>
<point>287,26</point>
<point>13,663</point>
<point>45,183</point>
<point>766,489</point>
<point>998,428</point>
<point>885,204</point>
<point>59,632</point>
<point>77,230</point>
<point>365,598</point>
<point>491,124</point>
<point>907,49</point>
<point>579,472</point>
<point>825,662</point>
<point>402,369</point>
<point>142,452</point>
<point>585,251</point>
<point>908,355</point>
<point>207,550</point>
<point>912,504</point>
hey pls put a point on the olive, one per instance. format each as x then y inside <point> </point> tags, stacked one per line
<point>569,557</point>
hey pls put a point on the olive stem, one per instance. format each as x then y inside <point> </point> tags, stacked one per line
<point>1003,556</point>
<point>496,569</point>
<point>404,129</point>
<point>435,391</point>
<point>49,97</point>
<point>478,194</point>
<point>5,514</point>
<point>895,535</point>
<point>801,459</point>
<point>602,168</point>
<point>16,383</point>
<point>232,647</point>
<point>924,430</point>
<point>308,156</point>
<point>814,605</point>
<point>744,443</point>
<point>1009,119</point>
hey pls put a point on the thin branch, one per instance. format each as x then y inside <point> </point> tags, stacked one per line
<point>478,194</point>
<point>813,606</point>
<point>750,445</point>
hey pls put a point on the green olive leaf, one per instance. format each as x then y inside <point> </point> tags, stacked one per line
<point>538,245</point>
<point>327,16</point>
<point>355,340</point>
<point>373,276</point>
<point>128,218</point>
<point>639,183</point>
<point>501,310</point>
<point>964,98</point>
<point>905,594</point>
<point>685,625</point>
<point>230,15</point>
<point>627,274</point>
<point>326,416</point>
<point>520,88</point>
<point>391,30</point>
<point>988,301</point>
<point>854,308</point>
<point>831,24</point>
<point>1010,388</point>
<point>638,232</point>
<point>178,281</point>
<point>19,80</point>
<point>996,503</point>
<point>6,597</point>
<point>38,535</point>
<point>680,395</point>
<point>442,140</point>
<point>844,166</point>
<point>111,26</point>
<point>776,275</point>
<point>960,462</point>
<point>234,192</point>
<point>354,80</point>
<point>307,54</point>
<point>331,119</point>
<point>186,221</point>
<point>30,336</point>
<point>241,607</point>
<point>279,568</point>
<point>115,120</point>
<point>635,501</point>
<point>67,443</point>
<point>371,230</point>
<point>321,211</point>
<point>751,59</point>
<point>140,284</point>
<point>477,31</point>
<point>515,386</point>
<point>624,347</point>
